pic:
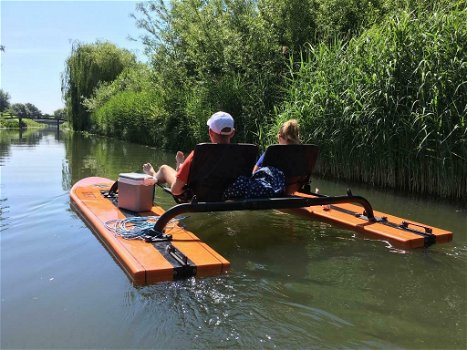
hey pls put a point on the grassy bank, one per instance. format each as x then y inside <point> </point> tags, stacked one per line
<point>8,121</point>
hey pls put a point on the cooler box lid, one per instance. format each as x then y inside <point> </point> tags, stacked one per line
<point>136,179</point>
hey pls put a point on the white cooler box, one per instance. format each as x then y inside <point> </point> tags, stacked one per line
<point>135,191</point>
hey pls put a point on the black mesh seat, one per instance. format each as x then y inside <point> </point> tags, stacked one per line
<point>216,166</point>
<point>296,161</point>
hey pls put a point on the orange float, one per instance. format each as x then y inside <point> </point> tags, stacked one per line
<point>401,233</point>
<point>145,262</point>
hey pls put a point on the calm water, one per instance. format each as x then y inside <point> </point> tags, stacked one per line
<point>294,283</point>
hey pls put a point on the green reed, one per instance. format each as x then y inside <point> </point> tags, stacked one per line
<point>389,107</point>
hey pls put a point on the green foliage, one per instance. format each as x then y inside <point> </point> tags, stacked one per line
<point>25,110</point>
<point>14,123</point>
<point>18,109</point>
<point>389,106</point>
<point>294,21</point>
<point>59,113</point>
<point>346,18</point>
<point>88,66</point>
<point>32,123</point>
<point>4,100</point>
<point>135,77</point>
<point>32,111</point>
<point>214,55</point>
<point>133,116</point>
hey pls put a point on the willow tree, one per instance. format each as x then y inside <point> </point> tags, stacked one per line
<point>87,67</point>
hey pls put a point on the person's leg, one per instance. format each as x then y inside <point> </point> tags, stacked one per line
<point>166,174</point>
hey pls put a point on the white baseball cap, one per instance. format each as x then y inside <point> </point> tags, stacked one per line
<point>221,123</point>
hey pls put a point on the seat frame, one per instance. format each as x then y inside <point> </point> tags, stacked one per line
<point>296,161</point>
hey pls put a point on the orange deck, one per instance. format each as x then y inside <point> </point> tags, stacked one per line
<point>397,237</point>
<point>142,261</point>
<point>146,264</point>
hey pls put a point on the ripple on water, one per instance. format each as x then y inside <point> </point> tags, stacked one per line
<point>293,283</point>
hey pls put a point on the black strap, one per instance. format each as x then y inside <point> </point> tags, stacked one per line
<point>114,188</point>
<point>184,197</point>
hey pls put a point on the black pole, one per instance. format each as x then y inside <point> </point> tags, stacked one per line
<point>259,204</point>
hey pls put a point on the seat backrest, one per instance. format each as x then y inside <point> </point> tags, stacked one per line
<point>296,161</point>
<point>216,166</point>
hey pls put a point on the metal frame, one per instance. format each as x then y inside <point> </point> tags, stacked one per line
<point>288,202</point>
<point>296,161</point>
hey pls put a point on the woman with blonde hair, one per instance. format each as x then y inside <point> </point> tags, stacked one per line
<point>289,134</point>
<point>265,182</point>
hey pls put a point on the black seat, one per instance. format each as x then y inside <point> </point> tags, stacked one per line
<point>296,161</point>
<point>216,166</point>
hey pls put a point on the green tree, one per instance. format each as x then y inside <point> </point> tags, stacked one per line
<point>211,55</point>
<point>32,111</point>
<point>19,110</point>
<point>4,100</point>
<point>294,21</point>
<point>59,113</point>
<point>135,78</point>
<point>88,66</point>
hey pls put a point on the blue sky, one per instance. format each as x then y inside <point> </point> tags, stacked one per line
<point>38,36</point>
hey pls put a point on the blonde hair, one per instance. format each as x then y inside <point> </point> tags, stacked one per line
<point>290,132</point>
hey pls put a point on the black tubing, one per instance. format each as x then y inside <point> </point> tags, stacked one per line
<point>259,204</point>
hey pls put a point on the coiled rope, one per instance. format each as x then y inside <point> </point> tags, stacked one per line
<point>135,227</point>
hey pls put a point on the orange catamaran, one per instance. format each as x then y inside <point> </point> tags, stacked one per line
<point>167,251</point>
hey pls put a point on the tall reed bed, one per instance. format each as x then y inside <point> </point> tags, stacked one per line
<point>132,116</point>
<point>389,107</point>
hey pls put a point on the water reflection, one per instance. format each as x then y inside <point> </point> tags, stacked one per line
<point>94,156</point>
<point>294,283</point>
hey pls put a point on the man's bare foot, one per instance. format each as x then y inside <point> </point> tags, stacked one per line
<point>148,169</point>
<point>179,158</point>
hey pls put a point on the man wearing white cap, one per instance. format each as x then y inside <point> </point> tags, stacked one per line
<point>221,130</point>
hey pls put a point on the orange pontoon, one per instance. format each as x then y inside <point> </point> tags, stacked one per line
<point>145,262</point>
<point>401,233</point>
